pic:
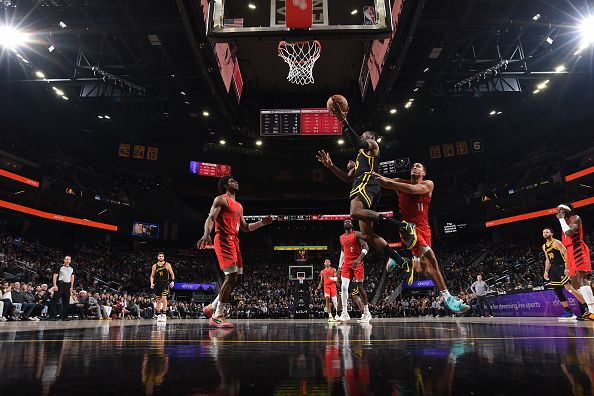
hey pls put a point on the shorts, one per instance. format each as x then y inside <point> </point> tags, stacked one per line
<point>557,276</point>
<point>330,290</point>
<point>161,289</point>
<point>578,258</point>
<point>226,248</point>
<point>423,242</point>
<point>369,194</point>
<point>356,274</point>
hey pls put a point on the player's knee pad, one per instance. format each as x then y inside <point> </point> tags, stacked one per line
<point>559,293</point>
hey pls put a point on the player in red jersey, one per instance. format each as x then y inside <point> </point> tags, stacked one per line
<point>226,215</point>
<point>352,250</point>
<point>578,254</point>
<point>328,277</point>
<point>414,196</point>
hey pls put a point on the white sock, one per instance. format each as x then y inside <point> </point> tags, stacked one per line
<point>588,296</point>
<point>220,311</point>
<point>366,310</point>
<point>335,303</point>
<point>344,294</point>
<point>215,303</point>
<point>446,294</point>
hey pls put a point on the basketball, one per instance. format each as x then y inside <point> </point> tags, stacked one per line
<point>340,100</point>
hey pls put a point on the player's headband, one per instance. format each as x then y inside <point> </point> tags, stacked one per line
<point>564,207</point>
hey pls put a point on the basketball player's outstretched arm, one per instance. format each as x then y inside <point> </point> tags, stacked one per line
<point>324,158</point>
<point>424,187</point>
<point>218,203</point>
<point>355,140</point>
<point>245,227</point>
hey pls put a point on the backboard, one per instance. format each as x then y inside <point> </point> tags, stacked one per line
<point>241,20</point>
<point>295,271</point>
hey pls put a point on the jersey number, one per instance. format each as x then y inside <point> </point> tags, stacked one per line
<point>551,256</point>
<point>420,206</point>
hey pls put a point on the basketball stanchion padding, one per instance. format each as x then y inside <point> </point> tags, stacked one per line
<point>301,58</point>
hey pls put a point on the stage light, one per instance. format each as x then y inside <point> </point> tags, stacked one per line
<point>39,74</point>
<point>11,38</point>
<point>587,29</point>
<point>182,93</point>
<point>393,111</point>
<point>426,70</point>
<point>354,12</point>
<point>340,142</point>
<point>499,112</point>
<point>560,68</point>
<point>408,105</point>
<point>51,48</point>
<point>536,91</point>
<point>416,89</point>
<point>58,92</point>
<point>100,117</point>
<point>107,117</point>
<point>388,127</point>
<point>258,142</point>
<point>251,6</point>
<point>550,41</point>
<point>536,17</point>
<point>205,113</point>
<point>543,84</point>
<point>186,102</point>
<point>62,25</point>
<point>411,100</point>
<point>379,140</point>
<point>222,142</point>
<point>65,97</point>
<point>492,112</point>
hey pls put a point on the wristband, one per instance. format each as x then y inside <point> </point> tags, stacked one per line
<point>364,252</point>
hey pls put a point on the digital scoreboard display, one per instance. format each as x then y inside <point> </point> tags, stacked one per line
<point>206,169</point>
<point>308,122</point>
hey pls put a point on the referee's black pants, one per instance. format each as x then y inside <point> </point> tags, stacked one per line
<point>62,293</point>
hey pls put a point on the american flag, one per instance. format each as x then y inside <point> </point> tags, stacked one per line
<point>233,23</point>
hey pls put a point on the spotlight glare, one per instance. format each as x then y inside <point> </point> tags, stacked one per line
<point>379,140</point>
<point>560,68</point>
<point>408,105</point>
<point>426,70</point>
<point>51,48</point>
<point>492,112</point>
<point>205,113</point>
<point>354,12</point>
<point>536,91</point>
<point>222,142</point>
<point>499,112</point>
<point>340,141</point>
<point>182,93</point>
<point>62,25</point>
<point>59,92</point>
<point>251,6</point>
<point>536,17</point>
<point>11,38</point>
<point>100,117</point>
<point>65,97</point>
<point>258,142</point>
<point>416,89</point>
<point>587,29</point>
<point>107,117</point>
<point>393,111</point>
<point>543,84</point>
<point>39,74</point>
<point>388,127</point>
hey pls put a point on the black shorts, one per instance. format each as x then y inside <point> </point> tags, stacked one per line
<point>369,194</point>
<point>557,276</point>
<point>161,289</point>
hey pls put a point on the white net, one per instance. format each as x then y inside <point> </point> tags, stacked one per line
<point>301,58</point>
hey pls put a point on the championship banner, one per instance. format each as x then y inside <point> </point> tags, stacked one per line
<point>124,150</point>
<point>152,153</point>
<point>139,152</point>
<point>299,14</point>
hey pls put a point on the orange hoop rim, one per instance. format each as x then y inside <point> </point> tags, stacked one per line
<point>281,43</point>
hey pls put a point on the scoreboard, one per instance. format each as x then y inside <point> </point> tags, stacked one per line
<point>285,122</point>
<point>206,169</point>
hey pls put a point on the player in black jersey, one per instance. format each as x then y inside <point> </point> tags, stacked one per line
<point>162,279</point>
<point>556,272</point>
<point>365,190</point>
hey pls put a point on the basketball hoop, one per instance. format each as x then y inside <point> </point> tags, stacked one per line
<point>300,277</point>
<point>301,58</point>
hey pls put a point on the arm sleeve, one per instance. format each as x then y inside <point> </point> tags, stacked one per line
<point>355,139</point>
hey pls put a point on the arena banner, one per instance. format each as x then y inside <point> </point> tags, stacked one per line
<point>538,303</point>
<point>193,286</point>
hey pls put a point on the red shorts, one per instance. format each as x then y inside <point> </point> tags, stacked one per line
<point>226,248</point>
<point>423,242</point>
<point>578,259</point>
<point>330,290</point>
<point>357,274</point>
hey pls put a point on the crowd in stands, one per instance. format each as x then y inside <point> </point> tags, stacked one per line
<point>112,281</point>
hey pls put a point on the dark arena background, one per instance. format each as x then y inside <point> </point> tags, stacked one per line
<point>121,122</point>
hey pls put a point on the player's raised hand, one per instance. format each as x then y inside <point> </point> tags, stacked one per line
<point>324,158</point>
<point>351,165</point>
<point>267,220</point>
<point>204,242</point>
<point>336,112</point>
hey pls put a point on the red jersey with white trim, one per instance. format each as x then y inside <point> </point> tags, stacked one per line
<point>326,274</point>
<point>576,239</point>
<point>350,246</point>
<point>414,208</point>
<point>229,218</point>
